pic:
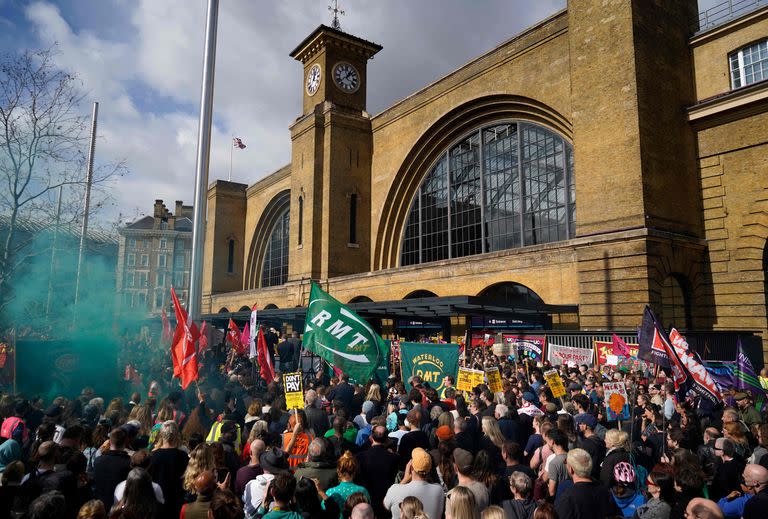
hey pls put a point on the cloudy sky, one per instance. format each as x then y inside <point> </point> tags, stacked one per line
<point>141,59</point>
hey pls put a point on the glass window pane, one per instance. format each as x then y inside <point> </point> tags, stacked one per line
<point>275,267</point>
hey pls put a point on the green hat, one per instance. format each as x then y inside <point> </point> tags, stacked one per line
<point>741,396</point>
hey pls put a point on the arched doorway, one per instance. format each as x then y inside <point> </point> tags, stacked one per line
<point>512,294</point>
<point>675,305</point>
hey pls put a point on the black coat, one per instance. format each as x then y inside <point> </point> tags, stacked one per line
<point>378,468</point>
<point>609,463</point>
<point>167,470</point>
<point>109,469</point>
<point>344,392</point>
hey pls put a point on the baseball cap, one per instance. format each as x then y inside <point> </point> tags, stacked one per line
<point>529,397</point>
<point>421,460</point>
<point>574,387</point>
<point>586,419</point>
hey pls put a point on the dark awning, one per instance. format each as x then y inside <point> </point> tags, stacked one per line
<point>422,308</point>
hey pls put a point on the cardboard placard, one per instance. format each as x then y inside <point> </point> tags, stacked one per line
<point>294,392</point>
<point>494,380</point>
<point>467,378</point>
<point>616,401</point>
<point>555,383</point>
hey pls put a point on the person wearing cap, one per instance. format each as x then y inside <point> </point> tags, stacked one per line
<point>416,483</point>
<point>273,462</point>
<point>747,412</point>
<point>378,467</point>
<point>590,441</point>
<point>462,461</point>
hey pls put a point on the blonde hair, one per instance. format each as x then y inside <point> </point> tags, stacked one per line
<point>493,512</point>
<point>412,508</point>
<point>347,466</point>
<point>93,509</point>
<point>169,433</point>
<point>143,415</point>
<point>460,504</point>
<point>615,439</point>
<point>374,393</point>
<point>445,418</point>
<point>492,431</point>
<point>200,459</point>
<point>580,461</point>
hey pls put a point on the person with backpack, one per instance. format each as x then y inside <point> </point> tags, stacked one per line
<point>625,489</point>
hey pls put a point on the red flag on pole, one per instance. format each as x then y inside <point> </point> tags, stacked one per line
<point>266,369</point>
<point>203,340</point>
<point>181,317</point>
<point>620,347</point>
<point>233,336</point>
<point>245,338</point>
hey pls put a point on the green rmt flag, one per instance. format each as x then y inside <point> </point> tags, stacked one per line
<point>344,339</point>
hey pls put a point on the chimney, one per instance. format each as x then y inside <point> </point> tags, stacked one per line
<point>158,212</point>
<point>179,207</point>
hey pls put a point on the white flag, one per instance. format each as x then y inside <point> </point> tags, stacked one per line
<point>254,333</point>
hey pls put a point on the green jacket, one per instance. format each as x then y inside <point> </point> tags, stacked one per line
<point>750,416</point>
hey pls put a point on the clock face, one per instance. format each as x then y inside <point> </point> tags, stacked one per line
<point>313,79</point>
<point>346,77</point>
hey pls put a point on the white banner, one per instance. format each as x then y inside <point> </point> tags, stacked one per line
<point>557,355</point>
<point>254,333</point>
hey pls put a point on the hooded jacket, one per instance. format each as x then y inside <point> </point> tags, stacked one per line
<point>518,508</point>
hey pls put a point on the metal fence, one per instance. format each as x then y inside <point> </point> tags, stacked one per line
<point>726,11</point>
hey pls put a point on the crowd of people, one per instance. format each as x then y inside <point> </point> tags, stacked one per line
<point>229,448</point>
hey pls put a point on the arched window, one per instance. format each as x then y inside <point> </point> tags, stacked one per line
<point>674,302</point>
<point>274,270</point>
<point>502,186</point>
<point>749,64</point>
<point>231,257</point>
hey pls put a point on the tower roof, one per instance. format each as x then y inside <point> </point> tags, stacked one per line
<point>324,35</point>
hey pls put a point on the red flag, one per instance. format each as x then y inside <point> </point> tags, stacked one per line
<point>183,346</point>
<point>203,340</point>
<point>266,369</point>
<point>233,336</point>
<point>245,338</point>
<point>181,317</point>
<point>620,347</point>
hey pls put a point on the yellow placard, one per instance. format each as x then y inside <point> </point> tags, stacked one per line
<point>555,383</point>
<point>494,380</point>
<point>469,378</point>
<point>294,393</point>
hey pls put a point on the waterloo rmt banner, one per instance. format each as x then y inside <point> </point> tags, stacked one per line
<point>431,362</point>
<point>557,355</point>
<point>340,336</point>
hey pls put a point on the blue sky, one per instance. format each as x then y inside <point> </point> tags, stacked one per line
<point>141,59</point>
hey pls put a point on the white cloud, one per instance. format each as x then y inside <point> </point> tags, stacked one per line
<point>148,83</point>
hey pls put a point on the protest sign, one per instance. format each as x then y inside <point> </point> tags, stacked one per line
<point>557,355</point>
<point>604,348</point>
<point>555,383</point>
<point>616,401</point>
<point>531,347</point>
<point>505,347</point>
<point>468,378</point>
<point>294,395</point>
<point>494,380</point>
<point>431,362</point>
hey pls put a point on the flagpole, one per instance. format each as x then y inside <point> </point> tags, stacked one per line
<point>231,147</point>
<point>194,301</point>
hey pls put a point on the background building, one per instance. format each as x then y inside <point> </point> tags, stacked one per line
<point>155,254</point>
<point>613,156</point>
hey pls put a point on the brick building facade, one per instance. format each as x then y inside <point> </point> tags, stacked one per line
<point>612,156</point>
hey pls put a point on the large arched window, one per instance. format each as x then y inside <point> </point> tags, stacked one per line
<point>502,186</point>
<point>275,267</point>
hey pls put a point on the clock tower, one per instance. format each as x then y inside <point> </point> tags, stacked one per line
<point>331,158</point>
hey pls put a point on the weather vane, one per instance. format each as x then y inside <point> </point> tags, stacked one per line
<point>336,12</point>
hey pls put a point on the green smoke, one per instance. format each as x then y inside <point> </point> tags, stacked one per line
<point>62,348</point>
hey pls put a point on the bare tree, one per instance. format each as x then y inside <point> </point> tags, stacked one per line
<point>43,138</point>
